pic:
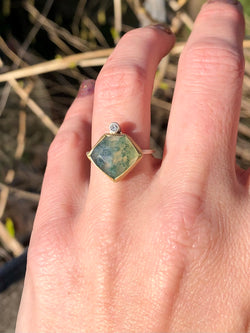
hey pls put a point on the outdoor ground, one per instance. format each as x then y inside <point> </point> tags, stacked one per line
<point>75,37</point>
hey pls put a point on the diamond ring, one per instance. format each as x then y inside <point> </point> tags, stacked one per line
<point>116,153</point>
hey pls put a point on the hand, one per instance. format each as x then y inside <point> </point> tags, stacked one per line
<point>167,248</point>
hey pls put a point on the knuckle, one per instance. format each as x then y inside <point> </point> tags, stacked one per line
<point>193,229</point>
<point>64,142</point>
<point>213,58</point>
<point>117,81</point>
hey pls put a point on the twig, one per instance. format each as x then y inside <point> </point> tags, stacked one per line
<point>5,189</point>
<point>78,16</point>
<point>246,43</point>
<point>34,107</point>
<point>22,124</point>
<point>181,3</point>
<point>86,59</point>
<point>21,135</point>
<point>17,61</point>
<point>186,19</point>
<point>59,43</point>
<point>175,5</point>
<point>161,73</point>
<point>142,15</point>
<point>28,40</point>
<point>160,103</point>
<point>33,32</point>
<point>95,31</point>
<point>5,95</point>
<point>53,33</point>
<point>9,242</point>
<point>10,54</point>
<point>177,49</point>
<point>244,129</point>
<point>52,27</point>
<point>62,88</point>
<point>4,195</point>
<point>247,80</point>
<point>176,24</point>
<point>20,193</point>
<point>242,149</point>
<point>245,104</point>
<point>118,19</point>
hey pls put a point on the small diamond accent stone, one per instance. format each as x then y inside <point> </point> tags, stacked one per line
<point>114,128</point>
<point>115,155</point>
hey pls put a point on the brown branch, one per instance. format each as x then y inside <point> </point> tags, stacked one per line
<point>17,61</point>
<point>161,104</point>
<point>161,73</point>
<point>246,44</point>
<point>176,5</point>
<point>21,135</point>
<point>4,195</point>
<point>142,15</point>
<point>244,129</point>
<point>242,149</point>
<point>33,32</point>
<point>34,107</point>
<point>95,31</point>
<point>187,20</point>
<point>77,17</point>
<point>86,59</point>
<point>60,44</point>
<point>118,18</point>
<point>52,27</point>
<point>20,193</point>
<point>9,242</point>
<point>10,54</point>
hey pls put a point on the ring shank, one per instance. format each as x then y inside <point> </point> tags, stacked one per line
<point>147,151</point>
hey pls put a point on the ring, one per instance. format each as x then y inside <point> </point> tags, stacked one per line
<point>116,153</point>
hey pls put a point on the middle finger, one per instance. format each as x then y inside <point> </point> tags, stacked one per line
<point>204,117</point>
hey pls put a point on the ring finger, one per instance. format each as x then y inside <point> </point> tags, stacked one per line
<point>124,86</point>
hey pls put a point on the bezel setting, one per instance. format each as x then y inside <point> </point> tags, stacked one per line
<point>114,160</point>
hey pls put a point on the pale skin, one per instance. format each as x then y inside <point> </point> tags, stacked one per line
<point>166,249</point>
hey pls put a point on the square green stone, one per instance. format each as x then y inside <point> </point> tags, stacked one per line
<point>115,155</point>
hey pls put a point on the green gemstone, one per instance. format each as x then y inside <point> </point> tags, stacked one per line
<point>115,154</point>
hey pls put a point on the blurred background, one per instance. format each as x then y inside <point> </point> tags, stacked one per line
<point>47,48</point>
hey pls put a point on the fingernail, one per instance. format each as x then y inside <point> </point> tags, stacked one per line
<point>162,26</point>
<point>86,88</point>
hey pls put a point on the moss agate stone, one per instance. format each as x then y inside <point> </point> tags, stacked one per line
<point>115,154</point>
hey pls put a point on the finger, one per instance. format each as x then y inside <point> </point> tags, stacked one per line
<point>67,173</point>
<point>204,117</point>
<point>124,86</point>
<point>123,92</point>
